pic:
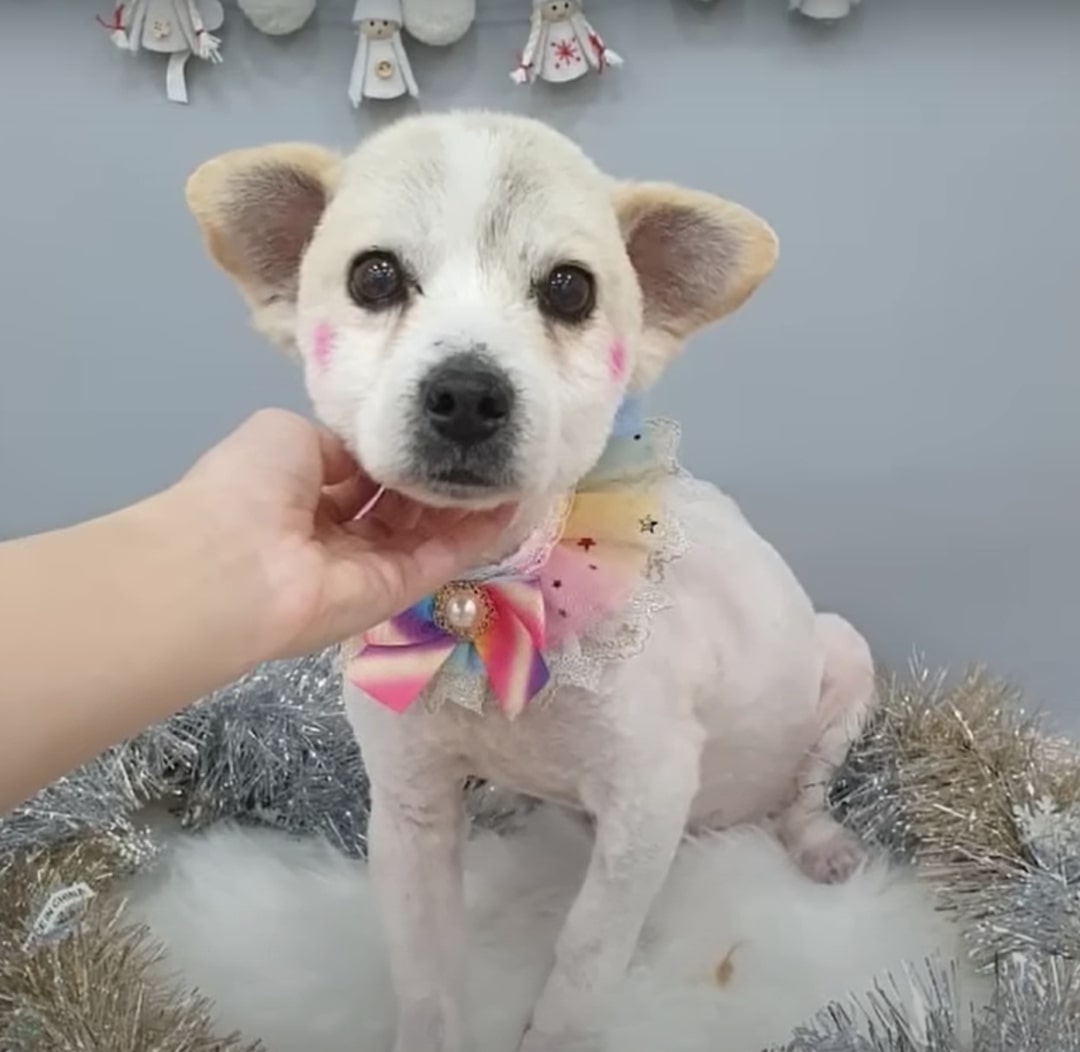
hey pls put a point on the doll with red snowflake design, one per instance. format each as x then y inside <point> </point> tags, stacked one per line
<point>562,45</point>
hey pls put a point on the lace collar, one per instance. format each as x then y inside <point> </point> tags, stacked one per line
<point>578,594</point>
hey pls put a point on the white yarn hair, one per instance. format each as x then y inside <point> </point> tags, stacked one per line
<point>277,17</point>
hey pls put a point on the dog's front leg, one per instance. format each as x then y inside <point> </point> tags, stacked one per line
<point>641,808</point>
<point>415,836</point>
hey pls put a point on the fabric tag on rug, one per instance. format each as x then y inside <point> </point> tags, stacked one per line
<point>60,913</point>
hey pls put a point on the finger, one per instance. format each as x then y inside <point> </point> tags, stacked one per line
<point>411,513</point>
<point>388,531</point>
<point>386,510</point>
<point>393,527</point>
<point>371,531</point>
<point>431,521</point>
<point>344,500</point>
<point>370,582</point>
<point>337,462</point>
<point>448,553</point>
<point>435,521</point>
<point>397,513</point>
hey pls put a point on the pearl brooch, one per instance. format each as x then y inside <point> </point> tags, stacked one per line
<point>463,609</point>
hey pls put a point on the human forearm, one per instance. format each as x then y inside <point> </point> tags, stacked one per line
<point>262,551</point>
<point>110,625</point>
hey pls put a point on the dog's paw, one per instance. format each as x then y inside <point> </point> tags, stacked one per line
<point>429,1025</point>
<point>828,854</point>
<point>534,1041</point>
<point>565,1041</point>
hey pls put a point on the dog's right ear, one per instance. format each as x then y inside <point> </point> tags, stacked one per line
<point>257,210</point>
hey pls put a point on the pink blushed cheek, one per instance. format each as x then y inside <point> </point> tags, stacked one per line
<point>617,361</point>
<point>322,344</point>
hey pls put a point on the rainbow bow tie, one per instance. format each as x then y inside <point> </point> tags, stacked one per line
<point>497,626</point>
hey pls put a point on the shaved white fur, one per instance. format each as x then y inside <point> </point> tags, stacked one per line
<point>449,215</point>
<point>743,698</point>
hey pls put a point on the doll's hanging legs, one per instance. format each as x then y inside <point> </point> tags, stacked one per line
<point>820,846</point>
<point>175,79</point>
<point>438,22</point>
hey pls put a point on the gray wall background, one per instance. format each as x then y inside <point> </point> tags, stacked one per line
<point>897,409</point>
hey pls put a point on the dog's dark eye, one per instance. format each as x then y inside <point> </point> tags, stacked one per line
<point>568,293</point>
<point>377,280</point>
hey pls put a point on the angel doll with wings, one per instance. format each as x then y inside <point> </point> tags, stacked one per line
<point>177,28</point>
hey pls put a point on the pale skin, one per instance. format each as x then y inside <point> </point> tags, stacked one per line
<point>116,623</point>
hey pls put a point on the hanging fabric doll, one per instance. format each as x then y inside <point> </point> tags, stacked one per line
<point>562,45</point>
<point>438,23</point>
<point>823,10</point>
<point>277,18</point>
<point>177,28</point>
<point>381,68</point>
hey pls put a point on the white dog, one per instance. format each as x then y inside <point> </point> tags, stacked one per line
<point>473,302</point>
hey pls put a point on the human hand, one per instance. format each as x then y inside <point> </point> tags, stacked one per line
<point>287,492</point>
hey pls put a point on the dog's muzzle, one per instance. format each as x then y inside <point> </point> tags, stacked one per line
<point>465,427</point>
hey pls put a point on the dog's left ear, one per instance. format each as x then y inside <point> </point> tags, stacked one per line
<point>257,209</point>
<point>697,258</point>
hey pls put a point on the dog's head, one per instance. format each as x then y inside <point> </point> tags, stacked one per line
<point>470,296</point>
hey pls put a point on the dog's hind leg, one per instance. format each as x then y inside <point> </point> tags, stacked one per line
<point>820,846</point>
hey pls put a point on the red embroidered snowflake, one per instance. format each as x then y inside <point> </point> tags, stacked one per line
<point>566,52</point>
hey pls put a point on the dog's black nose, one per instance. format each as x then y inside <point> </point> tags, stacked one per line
<point>467,400</point>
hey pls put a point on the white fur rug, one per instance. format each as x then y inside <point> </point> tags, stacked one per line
<point>283,935</point>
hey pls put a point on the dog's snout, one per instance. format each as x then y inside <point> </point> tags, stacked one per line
<point>466,400</point>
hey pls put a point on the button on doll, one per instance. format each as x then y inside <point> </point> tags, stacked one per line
<point>381,68</point>
<point>177,28</point>
<point>562,45</point>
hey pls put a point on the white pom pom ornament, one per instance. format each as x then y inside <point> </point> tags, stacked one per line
<point>824,10</point>
<point>438,22</point>
<point>277,18</point>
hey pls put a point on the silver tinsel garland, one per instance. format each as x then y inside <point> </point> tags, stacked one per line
<point>962,783</point>
<point>955,779</point>
<point>274,748</point>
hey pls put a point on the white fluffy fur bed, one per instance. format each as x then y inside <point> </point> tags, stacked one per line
<point>284,936</point>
